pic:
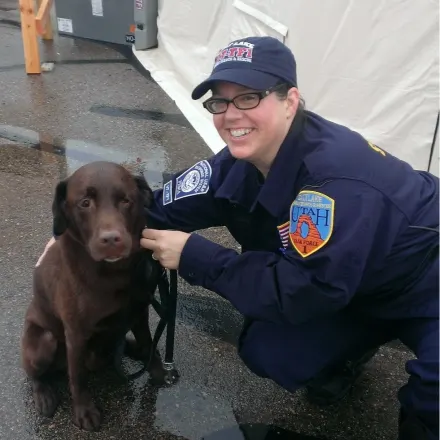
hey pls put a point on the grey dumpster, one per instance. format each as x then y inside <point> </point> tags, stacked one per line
<point>112,21</point>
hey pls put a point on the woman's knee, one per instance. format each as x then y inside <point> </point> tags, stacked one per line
<point>249,351</point>
<point>266,351</point>
<point>293,355</point>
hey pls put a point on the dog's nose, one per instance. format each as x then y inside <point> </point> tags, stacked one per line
<point>110,237</point>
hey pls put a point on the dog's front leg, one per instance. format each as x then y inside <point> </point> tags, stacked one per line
<point>85,414</point>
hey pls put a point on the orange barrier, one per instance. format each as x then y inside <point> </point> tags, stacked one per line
<point>32,26</point>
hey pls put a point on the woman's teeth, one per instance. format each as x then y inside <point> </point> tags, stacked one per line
<point>240,132</point>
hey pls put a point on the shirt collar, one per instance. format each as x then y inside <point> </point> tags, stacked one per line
<point>277,190</point>
<point>243,186</point>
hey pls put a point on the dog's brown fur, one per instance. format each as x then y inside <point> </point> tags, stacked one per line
<point>82,305</point>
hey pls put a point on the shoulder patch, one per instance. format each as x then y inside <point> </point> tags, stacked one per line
<point>194,181</point>
<point>167,193</point>
<point>311,222</point>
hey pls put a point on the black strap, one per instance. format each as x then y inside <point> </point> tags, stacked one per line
<point>171,311</point>
<point>166,310</point>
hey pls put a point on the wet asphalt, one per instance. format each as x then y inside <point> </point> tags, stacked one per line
<point>98,103</point>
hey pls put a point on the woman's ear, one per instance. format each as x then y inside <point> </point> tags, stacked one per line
<point>292,102</point>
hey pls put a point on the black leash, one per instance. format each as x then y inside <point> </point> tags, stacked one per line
<point>166,310</point>
<point>172,374</point>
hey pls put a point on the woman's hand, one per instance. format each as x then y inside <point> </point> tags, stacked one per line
<point>167,246</point>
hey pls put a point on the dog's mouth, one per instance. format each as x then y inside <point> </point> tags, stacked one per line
<point>111,256</point>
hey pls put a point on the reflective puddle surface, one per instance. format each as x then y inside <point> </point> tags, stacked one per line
<point>257,432</point>
<point>72,153</point>
<point>183,411</point>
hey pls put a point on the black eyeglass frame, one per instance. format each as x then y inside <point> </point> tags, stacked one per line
<point>261,95</point>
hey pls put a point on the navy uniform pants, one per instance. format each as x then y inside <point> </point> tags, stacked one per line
<point>293,355</point>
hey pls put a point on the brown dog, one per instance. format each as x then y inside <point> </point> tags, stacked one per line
<point>93,286</point>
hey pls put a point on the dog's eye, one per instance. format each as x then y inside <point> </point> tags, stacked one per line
<point>125,201</point>
<point>85,203</point>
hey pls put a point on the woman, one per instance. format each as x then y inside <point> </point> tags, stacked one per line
<point>339,238</point>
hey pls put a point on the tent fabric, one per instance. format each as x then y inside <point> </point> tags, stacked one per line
<point>372,66</point>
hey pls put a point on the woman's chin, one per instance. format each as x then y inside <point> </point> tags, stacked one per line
<point>241,151</point>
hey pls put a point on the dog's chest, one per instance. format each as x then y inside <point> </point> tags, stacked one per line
<point>114,323</point>
<point>105,311</point>
<point>116,309</point>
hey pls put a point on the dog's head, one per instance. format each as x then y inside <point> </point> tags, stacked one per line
<point>102,206</point>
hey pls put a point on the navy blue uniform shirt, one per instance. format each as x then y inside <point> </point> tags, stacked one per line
<point>329,226</point>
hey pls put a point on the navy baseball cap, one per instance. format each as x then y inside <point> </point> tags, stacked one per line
<point>253,62</point>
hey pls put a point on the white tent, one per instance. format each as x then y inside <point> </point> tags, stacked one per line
<point>371,65</point>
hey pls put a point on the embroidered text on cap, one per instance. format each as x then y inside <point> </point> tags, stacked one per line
<point>235,51</point>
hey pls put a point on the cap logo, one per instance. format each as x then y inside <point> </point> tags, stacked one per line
<point>235,51</point>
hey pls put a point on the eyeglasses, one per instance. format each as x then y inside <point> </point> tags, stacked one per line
<point>244,101</point>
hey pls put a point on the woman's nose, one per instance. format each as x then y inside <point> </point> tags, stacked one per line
<point>232,112</point>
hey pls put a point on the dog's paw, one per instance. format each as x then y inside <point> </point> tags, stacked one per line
<point>45,398</point>
<point>87,417</point>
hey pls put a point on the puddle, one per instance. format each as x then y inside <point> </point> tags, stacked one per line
<point>32,154</point>
<point>74,153</point>
<point>184,411</point>
<point>151,115</point>
<point>189,411</point>
<point>210,315</point>
<point>9,22</point>
<point>257,432</point>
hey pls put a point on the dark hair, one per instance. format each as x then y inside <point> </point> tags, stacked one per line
<point>301,115</point>
<point>283,90</point>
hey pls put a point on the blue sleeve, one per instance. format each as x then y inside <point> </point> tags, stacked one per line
<point>186,202</point>
<point>296,288</point>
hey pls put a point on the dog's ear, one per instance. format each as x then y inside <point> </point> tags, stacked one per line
<point>58,208</point>
<point>144,189</point>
